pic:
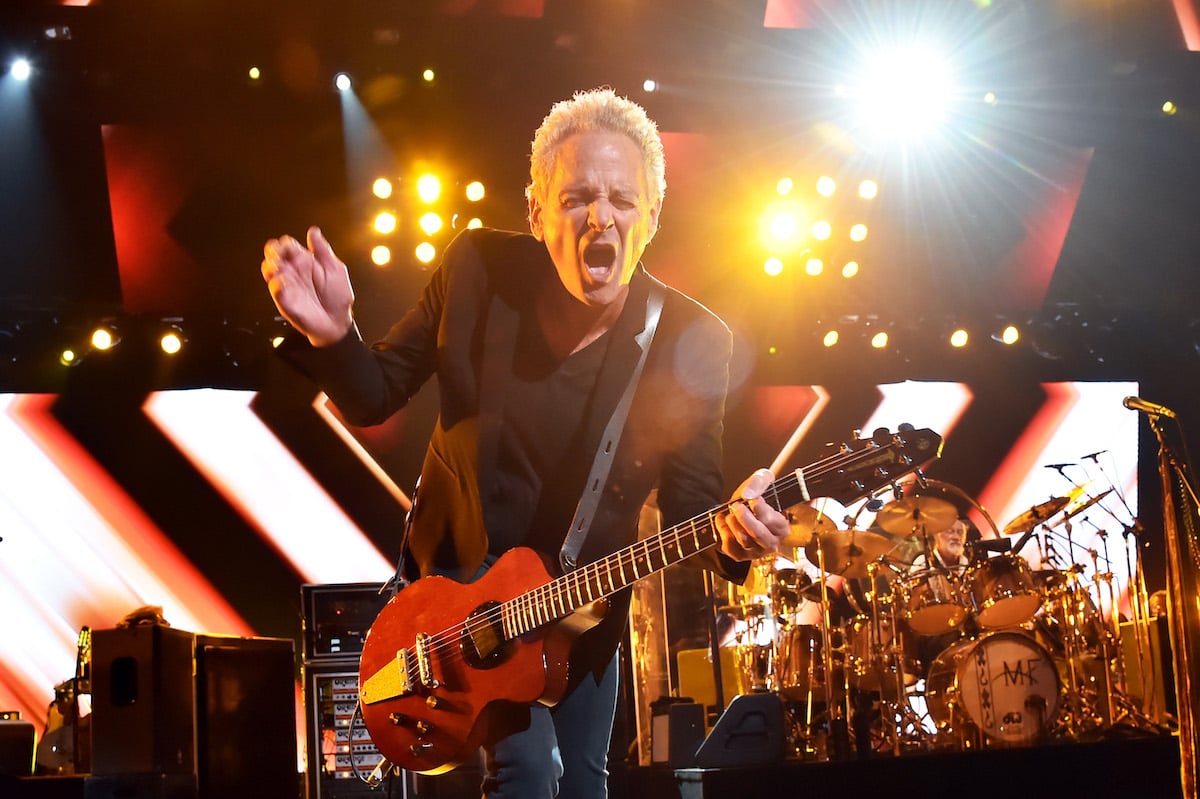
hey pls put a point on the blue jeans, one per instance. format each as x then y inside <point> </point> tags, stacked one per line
<point>564,750</point>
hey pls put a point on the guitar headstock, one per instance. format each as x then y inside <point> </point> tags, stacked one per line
<point>869,464</point>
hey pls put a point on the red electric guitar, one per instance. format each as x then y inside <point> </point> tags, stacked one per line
<point>441,653</point>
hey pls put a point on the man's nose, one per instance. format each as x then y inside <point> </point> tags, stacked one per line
<point>600,215</point>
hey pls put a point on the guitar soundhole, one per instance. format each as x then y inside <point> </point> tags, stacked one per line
<point>483,642</point>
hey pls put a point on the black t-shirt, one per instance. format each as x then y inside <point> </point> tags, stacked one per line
<point>541,462</point>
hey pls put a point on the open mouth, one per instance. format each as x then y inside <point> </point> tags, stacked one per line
<point>599,259</point>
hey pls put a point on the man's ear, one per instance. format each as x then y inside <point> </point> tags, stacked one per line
<point>655,210</point>
<point>535,217</point>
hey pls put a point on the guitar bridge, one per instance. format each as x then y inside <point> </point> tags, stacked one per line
<point>389,682</point>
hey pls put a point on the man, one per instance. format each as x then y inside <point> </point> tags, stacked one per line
<point>949,549</point>
<point>532,339</point>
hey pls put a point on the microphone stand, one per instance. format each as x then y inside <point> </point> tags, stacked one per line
<point>1180,504</point>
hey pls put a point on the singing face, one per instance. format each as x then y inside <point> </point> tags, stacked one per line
<point>596,216</point>
<point>951,542</point>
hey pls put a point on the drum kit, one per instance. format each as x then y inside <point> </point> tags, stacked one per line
<point>874,643</point>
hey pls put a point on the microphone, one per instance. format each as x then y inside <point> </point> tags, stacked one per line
<point>1092,457</point>
<point>990,545</point>
<point>1146,406</point>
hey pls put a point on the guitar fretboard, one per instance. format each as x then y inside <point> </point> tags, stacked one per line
<point>846,475</point>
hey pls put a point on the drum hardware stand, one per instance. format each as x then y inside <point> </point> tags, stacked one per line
<point>837,708</point>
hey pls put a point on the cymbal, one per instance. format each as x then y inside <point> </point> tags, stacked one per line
<point>1035,516</point>
<point>904,516</point>
<point>802,521</point>
<point>847,552</point>
<point>1081,508</point>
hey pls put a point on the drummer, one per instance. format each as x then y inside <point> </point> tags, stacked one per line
<point>949,549</point>
<point>950,562</point>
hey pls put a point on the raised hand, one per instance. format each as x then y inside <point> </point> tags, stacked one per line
<point>310,287</point>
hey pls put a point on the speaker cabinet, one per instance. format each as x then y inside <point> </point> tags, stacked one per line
<point>246,717</point>
<point>143,701</point>
<point>748,733</point>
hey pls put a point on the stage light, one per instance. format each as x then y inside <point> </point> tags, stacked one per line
<point>814,266</point>
<point>474,222</point>
<point>429,188</point>
<point>475,191</point>
<point>341,82</point>
<point>822,230</point>
<point>425,252</point>
<point>830,339</point>
<point>879,340</point>
<point>381,255</point>
<point>826,186</point>
<point>649,85</point>
<point>850,269</point>
<point>990,98</point>
<point>21,69</point>
<point>382,188</point>
<point>783,226</point>
<point>868,189</point>
<point>276,342</point>
<point>255,73</point>
<point>1009,335</point>
<point>784,186</point>
<point>858,232</point>
<point>903,91</point>
<point>171,342</point>
<point>428,75</point>
<point>1169,108</point>
<point>780,227</point>
<point>104,338</point>
<point>385,223</point>
<point>431,223</point>
<point>68,357</point>
<point>959,338</point>
<point>773,266</point>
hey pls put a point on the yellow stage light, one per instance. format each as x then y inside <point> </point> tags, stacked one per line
<point>814,266</point>
<point>475,191</point>
<point>784,187</point>
<point>826,186</point>
<point>850,269</point>
<point>773,266</point>
<point>171,342</point>
<point>822,230</point>
<point>431,223</point>
<point>830,339</point>
<point>385,223</point>
<point>381,255</point>
<point>879,340</point>
<point>429,188</point>
<point>959,338</point>
<point>104,339</point>
<point>868,189</point>
<point>382,188</point>
<point>858,232</point>
<point>425,252</point>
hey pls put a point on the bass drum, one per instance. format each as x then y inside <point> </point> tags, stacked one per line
<point>1003,685</point>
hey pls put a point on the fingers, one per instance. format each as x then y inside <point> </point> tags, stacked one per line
<point>751,528</point>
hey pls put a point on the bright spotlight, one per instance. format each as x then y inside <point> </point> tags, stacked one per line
<point>781,226</point>
<point>868,189</point>
<point>826,186</point>
<point>429,188</point>
<point>428,75</point>
<point>382,188</point>
<point>1169,108</point>
<point>425,252</point>
<point>68,357</point>
<point>431,223</point>
<point>475,191</point>
<point>21,69</point>
<point>1009,335</point>
<point>858,232</point>
<point>773,266</point>
<point>814,266</point>
<point>381,255</point>
<point>171,342</point>
<point>850,269</point>
<point>474,222</point>
<point>649,85</point>
<point>784,187</point>
<point>254,73</point>
<point>959,338</point>
<point>879,340</point>
<point>822,230</point>
<point>904,91</point>
<point>341,82</point>
<point>104,339</point>
<point>385,223</point>
<point>830,339</point>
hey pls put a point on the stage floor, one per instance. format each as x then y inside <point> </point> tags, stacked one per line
<point>1138,768</point>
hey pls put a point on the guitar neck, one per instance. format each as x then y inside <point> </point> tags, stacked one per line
<point>847,475</point>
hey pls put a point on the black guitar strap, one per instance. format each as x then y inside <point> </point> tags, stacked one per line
<point>594,487</point>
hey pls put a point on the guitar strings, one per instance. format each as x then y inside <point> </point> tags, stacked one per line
<point>527,603</point>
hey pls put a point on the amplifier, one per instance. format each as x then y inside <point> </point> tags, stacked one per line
<point>337,617</point>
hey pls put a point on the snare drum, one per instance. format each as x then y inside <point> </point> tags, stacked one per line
<point>875,654</point>
<point>1002,591</point>
<point>1003,685</point>
<point>932,602</point>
